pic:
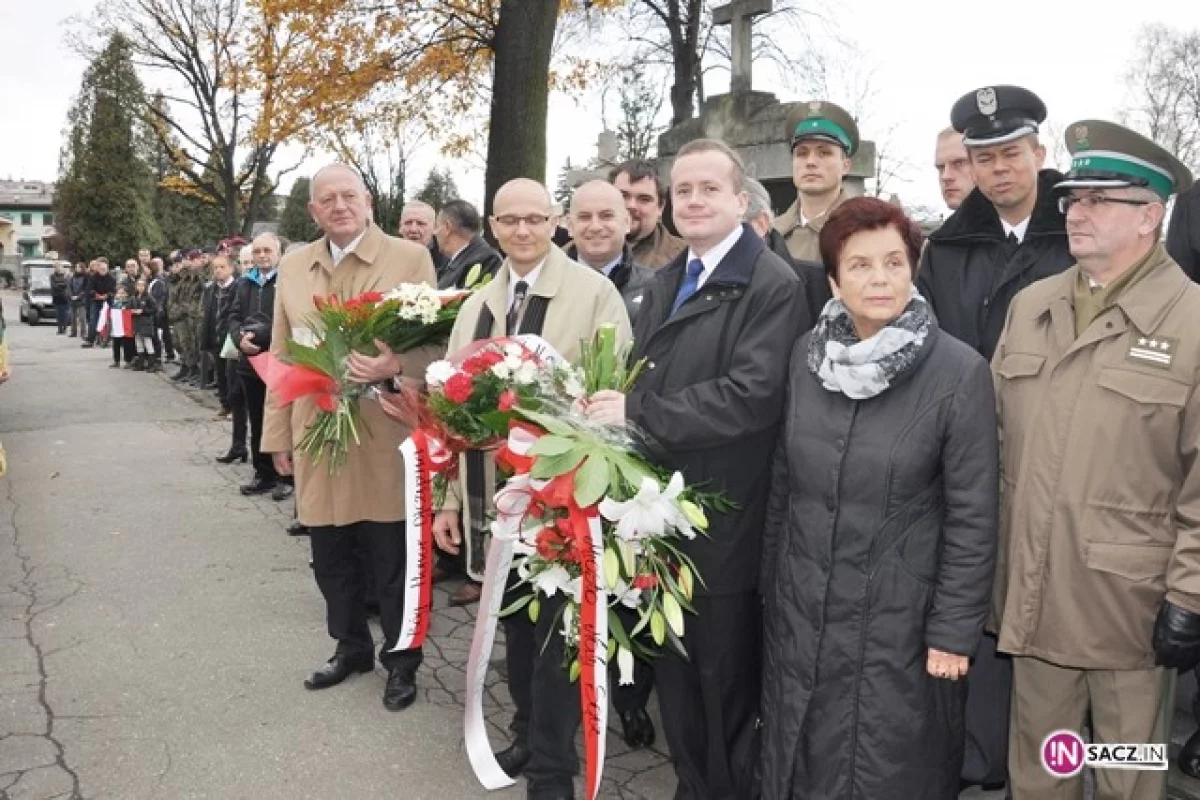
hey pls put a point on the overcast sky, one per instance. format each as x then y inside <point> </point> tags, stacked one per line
<point>1071,54</point>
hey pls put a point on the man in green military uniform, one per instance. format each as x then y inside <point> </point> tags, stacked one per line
<point>1098,588</point>
<point>187,287</point>
<point>824,138</point>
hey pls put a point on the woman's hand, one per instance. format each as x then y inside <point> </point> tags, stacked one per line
<point>940,664</point>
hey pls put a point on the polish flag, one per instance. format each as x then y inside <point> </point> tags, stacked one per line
<point>115,323</point>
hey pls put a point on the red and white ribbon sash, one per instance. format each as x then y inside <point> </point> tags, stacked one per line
<point>593,656</point>
<point>422,458</point>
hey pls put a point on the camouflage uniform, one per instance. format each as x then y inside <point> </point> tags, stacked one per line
<point>187,287</point>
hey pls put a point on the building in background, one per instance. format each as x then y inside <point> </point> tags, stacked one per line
<point>26,220</point>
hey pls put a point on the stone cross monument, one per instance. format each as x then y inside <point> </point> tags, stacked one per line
<point>740,15</point>
<point>753,122</point>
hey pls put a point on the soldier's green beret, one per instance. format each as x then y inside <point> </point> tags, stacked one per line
<point>820,119</point>
<point>1108,155</point>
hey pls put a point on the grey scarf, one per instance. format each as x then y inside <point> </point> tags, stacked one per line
<point>861,369</point>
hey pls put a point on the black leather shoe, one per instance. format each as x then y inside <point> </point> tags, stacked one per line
<point>337,669</point>
<point>401,689</point>
<point>638,728</point>
<point>297,529</point>
<point>514,758</point>
<point>259,485</point>
<point>183,374</point>
<point>281,492</point>
<point>232,456</point>
<point>1189,756</point>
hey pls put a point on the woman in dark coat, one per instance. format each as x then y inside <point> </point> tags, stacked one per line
<point>881,535</point>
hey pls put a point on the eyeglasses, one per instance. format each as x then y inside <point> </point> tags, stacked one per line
<point>530,220</point>
<point>1091,201</point>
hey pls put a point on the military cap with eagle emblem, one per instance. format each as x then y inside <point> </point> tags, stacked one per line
<point>997,114</point>
<point>821,119</point>
<point>1105,155</point>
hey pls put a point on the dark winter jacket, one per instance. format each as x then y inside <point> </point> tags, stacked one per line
<point>711,395</point>
<point>143,323</point>
<point>251,310</point>
<point>453,274</point>
<point>103,287</point>
<point>215,316</point>
<point>969,274</point>
<point>159,289</point>
<point>77,288</point>
<point>629,278</point>
<point>1183,234</point>
<point>880,543</point>
<point>811,273</point>
<point>60,291</point>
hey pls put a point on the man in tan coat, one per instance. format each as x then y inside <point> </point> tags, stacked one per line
<point>539,291</point>
<point>824,138</point>
<point>1098,588</point>
<point>362,505</point>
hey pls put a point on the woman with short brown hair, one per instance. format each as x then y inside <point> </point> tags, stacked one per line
<point>881,535</point>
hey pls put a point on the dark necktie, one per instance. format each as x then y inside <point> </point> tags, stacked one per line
<point>1011,244</point>
<point>691,282</point>
<point>514,313</point>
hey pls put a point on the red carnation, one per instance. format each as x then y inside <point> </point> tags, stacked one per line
<point>645,582</point>
<point>458,389</point>
<point>508,399</point>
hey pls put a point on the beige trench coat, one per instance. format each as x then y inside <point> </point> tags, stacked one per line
<point>369,487</point>
<point>1100,511</point>
<point>581,300</point>
<point>803,240</point>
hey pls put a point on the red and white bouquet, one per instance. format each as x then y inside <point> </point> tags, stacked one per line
<point>408,317</point>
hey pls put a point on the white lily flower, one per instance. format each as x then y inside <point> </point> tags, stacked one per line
<point>648,513</point>
<point>551,580</point>
<point>439,372</point>
<point>627,595</point>
<point>625,665</point>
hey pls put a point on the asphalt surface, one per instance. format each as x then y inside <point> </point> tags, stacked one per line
<point>156,626</point>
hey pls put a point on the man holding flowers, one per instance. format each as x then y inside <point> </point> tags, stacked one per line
<point>540,291</point>
<point>361,504</point>
<point>715,326</point>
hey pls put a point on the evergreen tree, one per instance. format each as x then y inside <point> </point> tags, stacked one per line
<point>104,201</point>
<point>295,223</point>
<point>562,191</point>
<point>439,189</point>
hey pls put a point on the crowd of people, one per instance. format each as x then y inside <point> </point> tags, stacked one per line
<point>971,454</point>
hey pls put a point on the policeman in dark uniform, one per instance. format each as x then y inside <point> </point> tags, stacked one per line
<point>1007,234</point>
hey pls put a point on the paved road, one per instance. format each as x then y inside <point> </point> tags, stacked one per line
<point>156,626</point>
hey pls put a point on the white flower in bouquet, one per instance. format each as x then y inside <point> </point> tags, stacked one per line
<point>649,513</point>
<point>572,385</point>
<point>526,374</point>
<point>418,301</point>
<point>570,633</point>
<point>514,351</point>
<point>502,371</point>
<point>437,373</point>
<point>627,595</point>
<point>513,362</point>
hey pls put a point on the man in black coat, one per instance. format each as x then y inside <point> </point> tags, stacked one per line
<point>459,239</point>
<point>715,328</point>
<point>599,225</point>
<point>1183,234</point>
<point>1007,234</point>
<point>251,312</point>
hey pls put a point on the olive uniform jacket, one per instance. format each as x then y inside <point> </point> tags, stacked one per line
<point>802,239</point>
<point>370,486</point>
<point>1100,506</point>
<point>579,301</point>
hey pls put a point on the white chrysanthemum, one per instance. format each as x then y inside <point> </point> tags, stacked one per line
<point>527,373</point>
<point>501,371</point>
<point>437,373</point>
<point>514,351</point>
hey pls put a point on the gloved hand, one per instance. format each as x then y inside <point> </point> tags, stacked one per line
<point>1176,638</point>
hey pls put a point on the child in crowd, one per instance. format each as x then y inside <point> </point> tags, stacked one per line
<point>120,329</point>
<point>145,311</point>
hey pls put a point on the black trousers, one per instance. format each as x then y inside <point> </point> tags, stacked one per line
<point>989,690</point>
<point>237,406</point>
<point>255,392</point>
<point>337,566</point>
<point>126,345</point>
<point>221,367</point>
<point>710,702</point>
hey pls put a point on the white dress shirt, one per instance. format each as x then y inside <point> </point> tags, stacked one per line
<point>529,279</point>
<point>1017,230</point>
<point>715,255</point>
<point>338,253</point>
